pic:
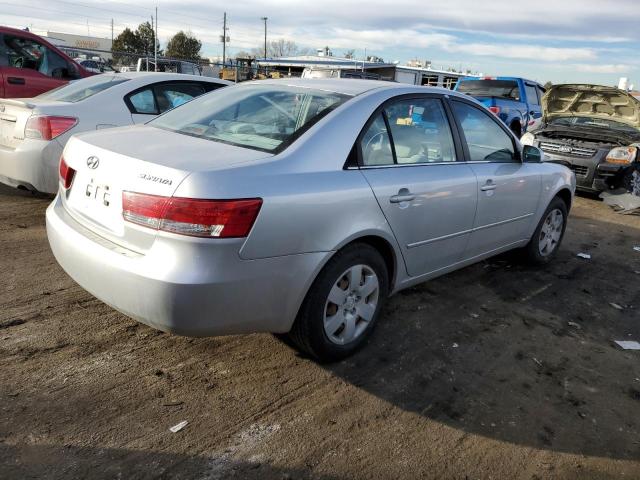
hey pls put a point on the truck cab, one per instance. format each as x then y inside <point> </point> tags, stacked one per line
<point>515,100</point>
<point>29,65</point>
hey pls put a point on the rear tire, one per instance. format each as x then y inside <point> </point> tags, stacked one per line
<point>343,304</point>
<point>546,239</point>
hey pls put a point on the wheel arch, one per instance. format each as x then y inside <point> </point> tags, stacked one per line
<point>378,240</point>
<point>516,122</point>
<point>565,195</point>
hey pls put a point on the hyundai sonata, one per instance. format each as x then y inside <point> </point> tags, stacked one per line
<point>298,207</point>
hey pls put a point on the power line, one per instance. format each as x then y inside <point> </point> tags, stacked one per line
<point>68,22</point>
<point>15,5</point>
<point>110,10</point>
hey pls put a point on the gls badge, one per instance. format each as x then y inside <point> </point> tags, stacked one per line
<point>93,162</point>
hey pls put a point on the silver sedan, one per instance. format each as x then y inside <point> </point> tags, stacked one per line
<point>298,207</point>
<point>34,131</point>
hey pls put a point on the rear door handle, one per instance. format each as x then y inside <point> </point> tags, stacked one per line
<point>15,80</point>
<point>488,186</point>
<point>404,195</point>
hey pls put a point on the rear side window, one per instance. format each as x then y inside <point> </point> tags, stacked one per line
<point>144,102</point>
<point>171,95</point>
<point>162,97</point>
<point>486,140</point>
<point>532,94</point>
<point>490,88</point>
<point>375,144</point>
<point>82,89</point>
<point>420,131</point>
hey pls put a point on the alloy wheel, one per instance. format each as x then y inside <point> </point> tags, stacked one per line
<point>351,304</point>
<point>551,232</point>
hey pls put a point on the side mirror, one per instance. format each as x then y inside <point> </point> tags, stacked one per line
<point>531,154</point>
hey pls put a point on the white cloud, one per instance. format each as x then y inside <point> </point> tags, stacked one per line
<point>537,53</point>
<point>373,40</point>
<point>602,68</point>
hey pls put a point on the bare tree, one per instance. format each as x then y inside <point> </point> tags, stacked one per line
<point>279,48</point>
<point>349,53</point>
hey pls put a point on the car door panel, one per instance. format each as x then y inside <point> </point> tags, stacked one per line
<point>508,195</point>
<point>433,228</point>
<point>409,157</point>
<point>507,189</point>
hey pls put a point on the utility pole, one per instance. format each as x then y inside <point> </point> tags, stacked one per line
<point>224,39</point>
<point>148,54</point>
<point>264,19</point>
<point>112,33</point>
<point>155,41</point>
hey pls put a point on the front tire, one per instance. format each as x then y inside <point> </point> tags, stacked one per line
<point>342,305</point>
<point>546,239</point>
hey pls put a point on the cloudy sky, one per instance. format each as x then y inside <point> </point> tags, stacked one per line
<point>563,41</point>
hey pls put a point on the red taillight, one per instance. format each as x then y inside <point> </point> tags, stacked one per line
<point>48,128</point>
<point>66,174</point>
<point>488,78</point>
<point>495,110</point>
<point>191,216</point>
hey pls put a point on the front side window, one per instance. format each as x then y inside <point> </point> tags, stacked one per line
<point>30,54</point>
<point>486,140</point>
<point>262,117</point>
<point>420,131</point>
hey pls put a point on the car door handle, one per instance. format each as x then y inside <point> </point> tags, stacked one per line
<point>15,80</point>
<point>488,186</point>
<point>404,195</point>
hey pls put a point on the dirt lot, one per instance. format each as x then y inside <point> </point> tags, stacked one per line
<point>497,371</point>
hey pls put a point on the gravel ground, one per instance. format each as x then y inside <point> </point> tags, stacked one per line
<point>496,371</point>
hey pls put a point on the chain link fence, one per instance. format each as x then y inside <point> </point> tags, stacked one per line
<point>234,69</point>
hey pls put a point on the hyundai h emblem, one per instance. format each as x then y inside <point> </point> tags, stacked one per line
<point>93,162</point>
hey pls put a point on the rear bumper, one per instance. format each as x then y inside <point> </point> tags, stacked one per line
<point>192,287</point>
<point>33,165</point>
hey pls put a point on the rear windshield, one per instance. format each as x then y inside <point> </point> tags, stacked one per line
<point>82,89</point>
<point>261,117</point>
<point>490,88</point>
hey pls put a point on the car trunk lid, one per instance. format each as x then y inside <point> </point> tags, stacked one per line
<point>14,115</point>
<point>591,101</point>
<point>13,119</point>
<point>141,159</point>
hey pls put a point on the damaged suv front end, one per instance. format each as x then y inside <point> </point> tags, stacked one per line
<point>594,130</point>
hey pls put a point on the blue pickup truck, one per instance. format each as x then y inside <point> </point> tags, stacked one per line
<point>516,101</point>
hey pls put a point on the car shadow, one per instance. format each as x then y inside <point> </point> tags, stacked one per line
<point>69,461</point>
<point>6,190</point>
<point>517,353</point>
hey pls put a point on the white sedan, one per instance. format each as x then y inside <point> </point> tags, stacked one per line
<point>33,132</point>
